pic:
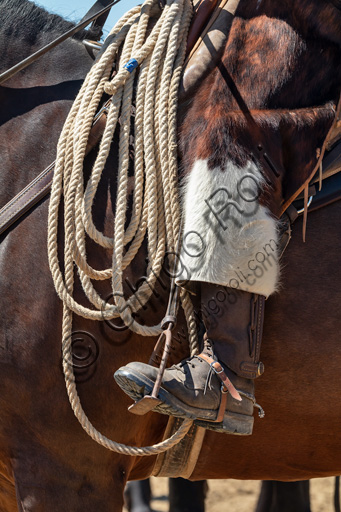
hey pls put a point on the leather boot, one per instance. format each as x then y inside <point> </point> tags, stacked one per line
<point>215,388</point>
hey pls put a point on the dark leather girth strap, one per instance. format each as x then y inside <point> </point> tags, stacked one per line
<point>203,12</point>
<point>41,185</point>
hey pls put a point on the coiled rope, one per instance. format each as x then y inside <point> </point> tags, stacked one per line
<point>159,55</point>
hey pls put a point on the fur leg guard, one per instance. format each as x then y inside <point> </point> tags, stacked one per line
<point>229,238</point>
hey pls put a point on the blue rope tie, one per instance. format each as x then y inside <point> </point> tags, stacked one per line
<point>131,65</point>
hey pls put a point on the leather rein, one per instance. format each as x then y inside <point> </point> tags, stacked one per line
<point>40,186</point>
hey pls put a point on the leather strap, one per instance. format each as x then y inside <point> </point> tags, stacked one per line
<point>326,142</point>
<point>41,185</point>
<point>227,385</point>
<point>98,24</point>
<point>206,14</point>
<point>204,50</point>
<point>181,459</point>
<point>331,190</point>
<point>222,407</point>
<point>203,13</point>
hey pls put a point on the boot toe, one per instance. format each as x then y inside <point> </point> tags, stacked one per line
<point>143,369</point>
<point>136,379</point>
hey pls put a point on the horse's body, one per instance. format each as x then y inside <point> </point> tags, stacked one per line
<point>46,458</point>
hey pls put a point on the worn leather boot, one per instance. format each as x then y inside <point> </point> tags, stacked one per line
<point>215,388</point>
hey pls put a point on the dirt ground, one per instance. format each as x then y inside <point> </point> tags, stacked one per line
<point>241,496</point>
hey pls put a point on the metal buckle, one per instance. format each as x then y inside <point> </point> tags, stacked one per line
<point>104,109</point>
<point>223,389</point>
<point>93,45</point>
<point>216,371</point>
<point>308,204</point>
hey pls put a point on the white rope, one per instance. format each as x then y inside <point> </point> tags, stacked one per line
<point>160,55</point>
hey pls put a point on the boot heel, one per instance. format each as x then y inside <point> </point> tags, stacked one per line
<point>233,423</point>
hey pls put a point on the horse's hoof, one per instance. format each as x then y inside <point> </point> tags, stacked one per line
<point>136,385</point>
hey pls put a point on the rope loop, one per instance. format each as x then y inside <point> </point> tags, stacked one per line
<point>158,50</point>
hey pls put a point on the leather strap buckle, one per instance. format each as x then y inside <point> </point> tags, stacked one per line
<point>219,371</point>
<point>214,369</point>
<point>223,389</point>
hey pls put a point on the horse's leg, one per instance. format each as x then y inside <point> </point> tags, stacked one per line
<point>284,497</point>
<point>337,504</point>
<point>43,483</point>
<point>186,496</point>
<point>137,496</point>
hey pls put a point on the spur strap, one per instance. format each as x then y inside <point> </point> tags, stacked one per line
<point>226,387</point>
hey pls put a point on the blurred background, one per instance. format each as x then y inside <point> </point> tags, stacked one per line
<point>229,496</point>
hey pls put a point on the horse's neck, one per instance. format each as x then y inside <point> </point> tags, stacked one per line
<point>35,105</point>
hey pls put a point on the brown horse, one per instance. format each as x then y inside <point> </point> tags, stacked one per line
<point>284,61</point>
